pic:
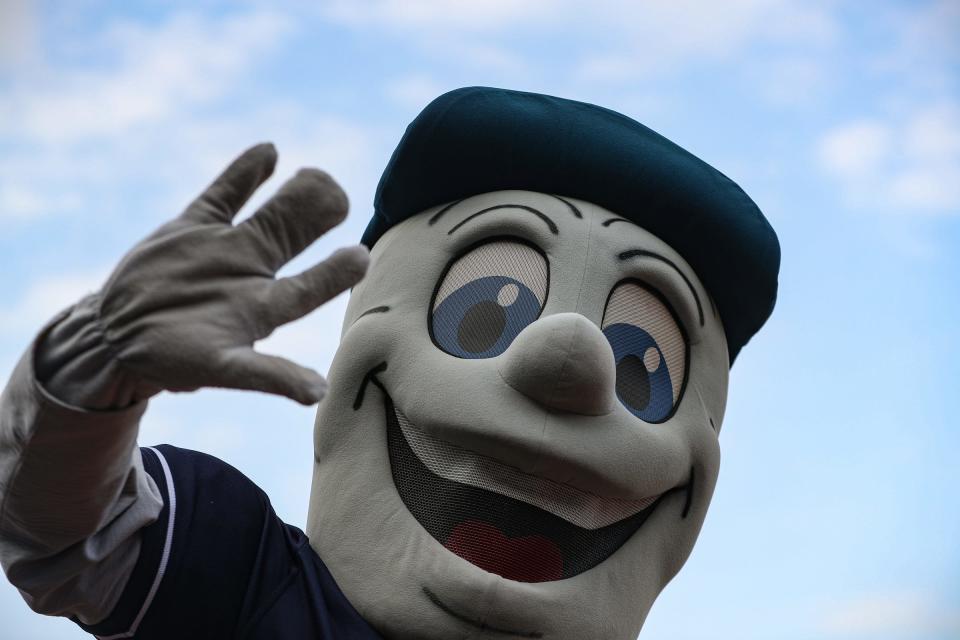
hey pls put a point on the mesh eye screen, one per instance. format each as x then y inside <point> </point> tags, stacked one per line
<point>647,341</point>
<point>487,297</point>
<point>501,257</point>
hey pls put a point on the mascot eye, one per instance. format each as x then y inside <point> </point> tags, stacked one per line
<point>649,348</point>
<point>486,297</point>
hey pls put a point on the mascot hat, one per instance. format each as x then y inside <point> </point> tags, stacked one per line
<point>480,139</point>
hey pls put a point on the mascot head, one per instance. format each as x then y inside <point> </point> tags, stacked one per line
<point>520,438</point>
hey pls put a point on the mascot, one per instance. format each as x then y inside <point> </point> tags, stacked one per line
<point>518,437</point>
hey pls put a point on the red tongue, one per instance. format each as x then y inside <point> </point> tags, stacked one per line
<point>525,559</point>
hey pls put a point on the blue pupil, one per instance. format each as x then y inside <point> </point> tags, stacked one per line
<point>646,394</point>
<point>481,318</point>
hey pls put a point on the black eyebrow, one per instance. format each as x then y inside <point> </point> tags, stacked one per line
<point>634,253</point>
<point>433,219</point>
<point>382,309</point>
<point>550,223</point>
<point>573,208</point>
<point>609,222</point>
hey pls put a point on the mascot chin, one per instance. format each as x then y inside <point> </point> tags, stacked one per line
<point>518,436</point>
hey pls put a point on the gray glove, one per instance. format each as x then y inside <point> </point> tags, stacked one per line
<point>184,307</point>
<point>180,312</point>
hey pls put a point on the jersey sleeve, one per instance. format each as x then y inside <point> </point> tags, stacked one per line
<point>198,560</point>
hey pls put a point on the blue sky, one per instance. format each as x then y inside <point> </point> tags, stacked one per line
<point>835,516</point>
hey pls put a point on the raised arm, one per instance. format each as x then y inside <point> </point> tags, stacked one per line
<point>181,311</point>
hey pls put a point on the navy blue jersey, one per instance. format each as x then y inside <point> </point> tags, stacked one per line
<point>219,563</point>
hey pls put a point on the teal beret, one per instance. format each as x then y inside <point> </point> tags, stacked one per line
<point>480,139</point>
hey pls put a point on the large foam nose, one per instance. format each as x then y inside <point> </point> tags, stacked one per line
<point>564,362</point>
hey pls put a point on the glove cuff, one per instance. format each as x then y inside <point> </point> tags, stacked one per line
<point>76,364</point>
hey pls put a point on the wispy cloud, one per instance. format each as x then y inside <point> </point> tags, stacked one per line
<point>893,615</point>
<point>470,33</point>
<point>18,202</point>
<point>636,37</point>
<point>158,74</point>
<point>157,78</point>
<point>413,91</point>
<point>433,15</point>
<point>794,80</point>
<point>646,37</point>
<point>70,127</point>
<point>923,49</point>
<point>336,144</point>
<point>44,297</point>
<point>22,316</point>
<point>856,149</point>
<point>907,164</point>
<point>18,31</point>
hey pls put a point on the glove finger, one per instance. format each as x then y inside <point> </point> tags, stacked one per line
<point>296,296</point>
<point>303,209</point>
<point>227,194</point>
<point>244,368</point>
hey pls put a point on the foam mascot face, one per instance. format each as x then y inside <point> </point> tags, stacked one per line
<point>520,438</point>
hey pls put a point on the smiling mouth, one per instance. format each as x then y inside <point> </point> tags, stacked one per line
<point>498,533</point>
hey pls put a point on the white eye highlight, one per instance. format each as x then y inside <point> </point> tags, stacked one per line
<point>651,359</point>
<point>508,295</point>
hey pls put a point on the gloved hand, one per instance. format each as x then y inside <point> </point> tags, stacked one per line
<point>183,308</point>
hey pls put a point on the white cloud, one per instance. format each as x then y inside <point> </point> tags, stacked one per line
<point>159,170</point>
<point>44,297</point>
<point>18,202</point>
<point>655,36</point>
<point>90,137</point>
<point>414,91</point>
<point>634,37</point>
<point>907,164</point>
<point>934,133</point>
<point>466,32</point>
<point>924,49</point>
<point>933,28</point>
<point>906,615</point>
<point>481,54</point>
<point>351,153</point>
<point>856,149</point>
<point>683,25</point>
<point>18,27</point>
<point>932,188</point>
<point>444,15</point>
<point>793,81</point>
<point>159,73</point>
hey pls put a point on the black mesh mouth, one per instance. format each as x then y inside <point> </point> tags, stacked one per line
<point>502,535</point>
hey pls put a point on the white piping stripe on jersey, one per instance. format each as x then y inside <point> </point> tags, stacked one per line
<point>172,497</point>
